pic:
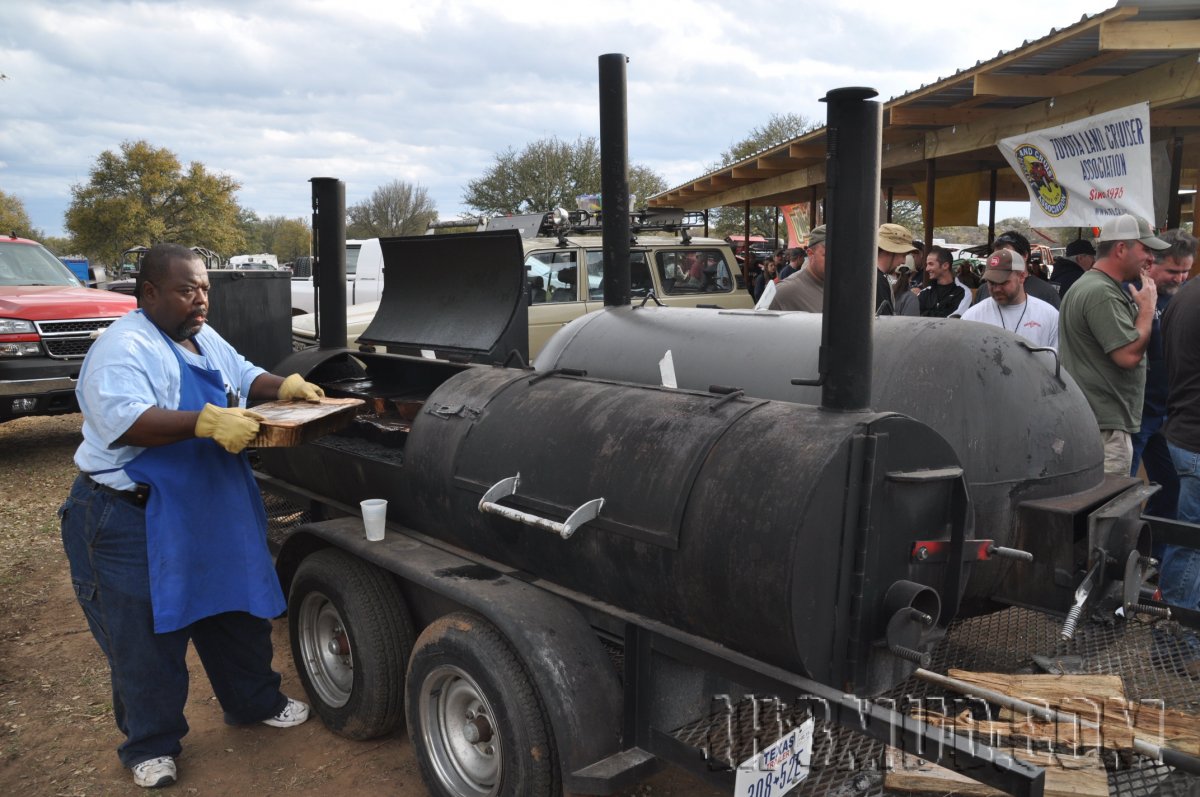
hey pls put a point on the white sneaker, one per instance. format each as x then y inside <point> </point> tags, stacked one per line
<point>155,772</point>
<point>291,715</point>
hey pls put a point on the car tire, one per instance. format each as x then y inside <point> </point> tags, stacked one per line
<point>476,722</point>
<point>351,635</point>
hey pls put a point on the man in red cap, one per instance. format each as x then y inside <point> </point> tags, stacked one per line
<point>1009,307</point>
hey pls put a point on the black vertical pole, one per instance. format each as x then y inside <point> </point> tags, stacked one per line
<point>852,168</point>
<point>329,270</point>
<point>891,202</point>
<point>614,180</point>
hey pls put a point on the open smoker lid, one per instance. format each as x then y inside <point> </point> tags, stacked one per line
<point>462,296</point>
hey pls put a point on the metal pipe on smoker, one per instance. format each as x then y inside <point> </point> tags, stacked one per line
<point>614,180</point>
<point>329,272</point>
<point>1166,755</point>
<point>852,176</point>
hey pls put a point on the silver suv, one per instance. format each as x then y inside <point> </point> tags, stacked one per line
<point>682,271</point>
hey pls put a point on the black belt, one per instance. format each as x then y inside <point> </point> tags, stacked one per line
<point>137,496</point>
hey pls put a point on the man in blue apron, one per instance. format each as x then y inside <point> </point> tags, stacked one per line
<point>164,528</point>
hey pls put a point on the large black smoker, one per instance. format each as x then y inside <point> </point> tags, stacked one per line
<point>637,549</point>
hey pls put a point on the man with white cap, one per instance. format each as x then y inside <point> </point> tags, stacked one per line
<point>1105,331</point>
<point>1009,307</point>
<point>893,243</point>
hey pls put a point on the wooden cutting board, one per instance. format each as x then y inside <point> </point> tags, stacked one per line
<point>290,423</point>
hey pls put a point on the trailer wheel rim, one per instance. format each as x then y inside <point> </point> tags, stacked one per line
<point>459,729</point>
<point>325,644</point>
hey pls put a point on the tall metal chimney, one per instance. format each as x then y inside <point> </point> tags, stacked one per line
<point>329,270</point>
<point>614,180</point>
<point>852,175</point>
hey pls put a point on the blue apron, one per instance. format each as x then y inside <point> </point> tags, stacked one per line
<point>206,530</point>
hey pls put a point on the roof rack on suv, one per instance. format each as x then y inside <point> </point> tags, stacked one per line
<point>561,223</point>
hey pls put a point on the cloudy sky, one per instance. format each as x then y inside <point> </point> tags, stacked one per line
<point>273,92</point>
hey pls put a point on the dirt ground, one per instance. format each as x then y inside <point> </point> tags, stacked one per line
<point>57,735</point>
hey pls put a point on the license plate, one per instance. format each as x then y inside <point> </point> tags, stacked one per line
<point>779,768</point>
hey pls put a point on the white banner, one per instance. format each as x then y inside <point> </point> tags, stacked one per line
<point>1083,173</point>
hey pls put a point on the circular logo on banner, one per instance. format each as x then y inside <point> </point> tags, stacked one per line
<point>1040,175</point>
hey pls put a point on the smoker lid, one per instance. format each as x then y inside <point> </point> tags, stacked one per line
<point>459,295</point>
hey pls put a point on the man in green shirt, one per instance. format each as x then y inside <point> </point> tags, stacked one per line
<point>1103,333</point>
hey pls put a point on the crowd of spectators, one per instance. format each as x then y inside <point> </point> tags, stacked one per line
<point>1115,312</point>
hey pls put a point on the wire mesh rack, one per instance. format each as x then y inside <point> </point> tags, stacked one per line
<point>1149,657</point>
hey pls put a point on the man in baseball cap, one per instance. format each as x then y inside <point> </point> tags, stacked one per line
<point>1009,307</point>
<point>893,243</point>
<point>1104,332</point>
<point>1079,258</point>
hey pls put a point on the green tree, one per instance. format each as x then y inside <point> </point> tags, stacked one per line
<point>395,208</point>
<point>778,128</point>
<point>13,217</point>
<point>142,195</point>
<point>550,173</point>
<point>287,238</point>
<point>251,227</point>
<point>59,245</point>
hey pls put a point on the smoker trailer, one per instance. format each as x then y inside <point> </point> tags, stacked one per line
<point>580,562</point>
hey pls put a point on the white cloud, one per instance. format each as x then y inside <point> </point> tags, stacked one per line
<point>277,91</point>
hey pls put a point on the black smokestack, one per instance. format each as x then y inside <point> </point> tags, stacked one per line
<point>329,271</point>
<point>852,178</point>
<point>614,179</point>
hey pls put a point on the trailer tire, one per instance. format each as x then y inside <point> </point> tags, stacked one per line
<point>351,636</point>
<point>475,720</point>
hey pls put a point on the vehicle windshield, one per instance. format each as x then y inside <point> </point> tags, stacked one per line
<point>32,264</point>
<point>352,251</point>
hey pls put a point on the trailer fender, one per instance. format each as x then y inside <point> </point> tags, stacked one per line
<point>575,678</point>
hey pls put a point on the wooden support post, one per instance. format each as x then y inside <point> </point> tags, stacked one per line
<point>1173,192</point>
<point>992,210</point>
<point>812,207</point>
<point>930,198</point>
<point>891,199</point>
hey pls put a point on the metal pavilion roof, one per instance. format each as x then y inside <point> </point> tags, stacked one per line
<point>1127,54</point>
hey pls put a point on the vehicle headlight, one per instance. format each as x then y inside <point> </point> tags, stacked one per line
<point>20,349</point>
<point>16,326</point>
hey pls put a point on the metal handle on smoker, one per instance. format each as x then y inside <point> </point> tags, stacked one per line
<point>507,487</point>
<point>1052,350</point>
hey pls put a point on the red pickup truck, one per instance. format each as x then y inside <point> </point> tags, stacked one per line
<point>48,321</point>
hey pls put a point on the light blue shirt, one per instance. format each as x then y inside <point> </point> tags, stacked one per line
<point>131,368</point>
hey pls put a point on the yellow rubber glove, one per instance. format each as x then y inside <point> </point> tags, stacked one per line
<point>294,387</point>
<point>231,427</point>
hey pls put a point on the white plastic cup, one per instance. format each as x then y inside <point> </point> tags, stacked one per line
<point>374,513</point>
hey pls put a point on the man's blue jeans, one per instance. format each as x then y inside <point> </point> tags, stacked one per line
<point>105,540</point>
<point>1150,449</point>
<point>1180,576</point>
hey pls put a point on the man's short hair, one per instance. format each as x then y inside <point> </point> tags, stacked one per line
<point>157,262</point>
<point>944,255</point>
<point>1182,246</point>
<point>1016,240</point>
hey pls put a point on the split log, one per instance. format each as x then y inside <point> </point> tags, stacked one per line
<point>1066,776</point>
<point>1093,698</point>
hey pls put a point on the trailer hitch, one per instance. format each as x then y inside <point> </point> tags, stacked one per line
<point>506,487</point>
